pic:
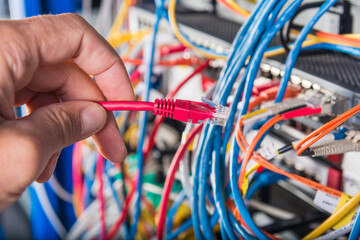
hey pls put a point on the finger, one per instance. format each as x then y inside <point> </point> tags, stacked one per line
<point>69,82</point>
<point>49,169</point>
<point>28,44</point>
<point>68,36</point>
<point>40,100</point>
<point>27,144</point>
<point>23,96</point>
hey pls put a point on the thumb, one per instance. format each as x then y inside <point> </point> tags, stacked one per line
<point>62,124</point>
<point>27,144</point>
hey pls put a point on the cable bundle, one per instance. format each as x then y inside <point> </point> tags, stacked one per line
<point>207,193</point>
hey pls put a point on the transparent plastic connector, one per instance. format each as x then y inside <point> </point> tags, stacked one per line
<point>220,113</point>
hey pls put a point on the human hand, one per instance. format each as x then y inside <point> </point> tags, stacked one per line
<point>45,60</point>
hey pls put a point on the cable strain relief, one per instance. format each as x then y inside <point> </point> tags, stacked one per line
<point>164,107</point>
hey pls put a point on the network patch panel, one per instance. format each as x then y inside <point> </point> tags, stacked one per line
<point>334,73</point>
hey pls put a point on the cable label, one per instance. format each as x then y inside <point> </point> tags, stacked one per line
<point>326,201</point>
<point>268,152</point>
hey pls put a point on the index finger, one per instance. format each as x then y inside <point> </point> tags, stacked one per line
<point>68,36</point>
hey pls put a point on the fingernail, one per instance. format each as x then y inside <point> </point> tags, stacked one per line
<point>93,119</point>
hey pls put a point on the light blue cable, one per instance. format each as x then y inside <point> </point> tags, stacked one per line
<point>143,117</point>
<point>194,204</point>
<point>355,232</point>
<point>239,90</point>
<point>254,34</point>
<point>244,51</point>
<point>334,47</point>
<point>172,211</point>
<point>235,149</point>
<point>187,224</point>
<point>240,204</point>
<point>264,43</point>
<point>326,46</point>
<point>203,176</point>
<point>217,184</point>
<point>235,46</point>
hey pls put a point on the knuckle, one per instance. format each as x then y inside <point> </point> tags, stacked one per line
<point>63,124</point>
<point>75,18</point>
<point>17,53</point>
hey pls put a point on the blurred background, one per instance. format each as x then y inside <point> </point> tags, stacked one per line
<point>36,215</point>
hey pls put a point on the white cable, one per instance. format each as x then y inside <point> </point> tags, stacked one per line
<point>59,190</point>
<point>83,222</point>
<point>86,9</point>
<point>17,9</point>
<point>184,170</point>
<point>337,233</point>
<point>185,176</point>
<point>102,24</point>
<point>49,211</point>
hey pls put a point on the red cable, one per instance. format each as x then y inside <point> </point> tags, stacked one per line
<point>77,178</point>
<point>124,212</point>
<point>135,75</point>
<point>170,180</point>
<point>306,111</point>
<point>172,62</point>
<point>169,49</point>
<point>159,120</point>
<point>127,106</point>
<point>100,162</point>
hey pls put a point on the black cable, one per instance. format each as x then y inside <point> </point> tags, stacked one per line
<point>288,140</point>
<point>345,20</point>
<point>300,221</point>
<point>286,39</point>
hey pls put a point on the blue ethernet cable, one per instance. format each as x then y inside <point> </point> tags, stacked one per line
<point>143,117</point>
<point>235,46</point>
<point>264,43</point>
<point>250,41</point>
<point>203,175</point>
<point>240,204</point>
<point>235,150</point>
<point>114,193</point>
<point>223,232</point>
<point>182,228</point>
<point>254,35</point>
<point>240,230</point>
<point>2,233</point>
<point>217,184</point>
<point>238,95</point>
<point>233,110</point>
<point>334,47</point>
<point>240,89</point>
<point>295,51</point>
<point>173,209</point>
<point>194,205</point>
<point>187,224</point>
<point>355,232</point>
<point>264,179</point>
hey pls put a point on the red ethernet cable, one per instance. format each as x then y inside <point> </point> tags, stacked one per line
<point>159,120</point>
<point>181,110</point>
